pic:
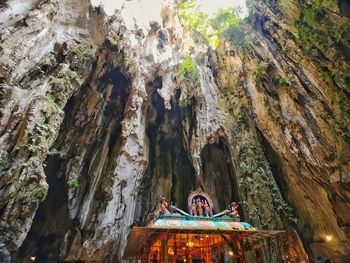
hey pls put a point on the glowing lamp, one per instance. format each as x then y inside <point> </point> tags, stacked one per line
<point>230,253</point>
<point>190,244</point>
<point>32,258</point>
<point>329,238</point>
<point>170,251</point>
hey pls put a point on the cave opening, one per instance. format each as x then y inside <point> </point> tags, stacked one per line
<point>218,175</point>
<point>104,97</point>
<point>51,220</point>
<point>275,164</point>
<point>170,171</point>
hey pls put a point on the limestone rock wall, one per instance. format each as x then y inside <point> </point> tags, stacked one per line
<point>299,97</point>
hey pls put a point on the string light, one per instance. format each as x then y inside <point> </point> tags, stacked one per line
<point>230,253</point>
<point>32,258</point>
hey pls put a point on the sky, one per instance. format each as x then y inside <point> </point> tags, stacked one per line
<point>207,6</point>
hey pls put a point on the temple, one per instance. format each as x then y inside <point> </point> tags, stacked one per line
<point>197,236</point>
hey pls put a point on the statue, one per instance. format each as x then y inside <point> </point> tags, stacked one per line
<point>233,212</point>
<point>163,208</point>
<point>199,203</point>
<point>199,207</point>
<point>194,208</point>
<point>206,208</point>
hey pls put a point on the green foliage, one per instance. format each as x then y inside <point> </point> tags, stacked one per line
<point>344,106</point>
<point>38,71</point>
<point>59,97</point>
<point>260,72</point>
<point>84,52</point>
<point>113,41</point>
<point>312,15</point>
<point>252,167</point>
<point>128,62</point>
<point>340,31</point>
<point>194,21</point>
<point>67,78</point>
<point>226,23</point>
<point>188,69</point>
<point>39,193</point>
<point>325,75</point>
<point>310,38</point>
<point>307,29</point>
<point>51,108</point>
<point>37,137</point>
<point>54,152</point>
<point>283,82</point>
<point>73,183</point>
<point>243,121</point>
<point>317,31</point>
<point>281,206</point>
<point>4,163</point>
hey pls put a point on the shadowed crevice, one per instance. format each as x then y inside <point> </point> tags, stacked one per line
<point>218,174</point>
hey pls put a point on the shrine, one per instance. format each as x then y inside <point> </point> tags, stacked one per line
<point>197,236</point>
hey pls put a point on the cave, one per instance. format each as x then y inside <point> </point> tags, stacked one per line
<point>170,172</point>
<point>103,111</point>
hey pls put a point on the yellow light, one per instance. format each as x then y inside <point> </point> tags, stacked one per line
<point>329,238</point>
<point>230,253</point>
<point>206,236</point>
<point>32,258</point>
<point>201,238</point>
<point>183,248</point>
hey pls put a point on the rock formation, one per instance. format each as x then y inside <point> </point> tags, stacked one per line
<point>97,121</point>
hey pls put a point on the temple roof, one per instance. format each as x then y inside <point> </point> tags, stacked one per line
<point>177,224</point>
<point>189,223</point>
